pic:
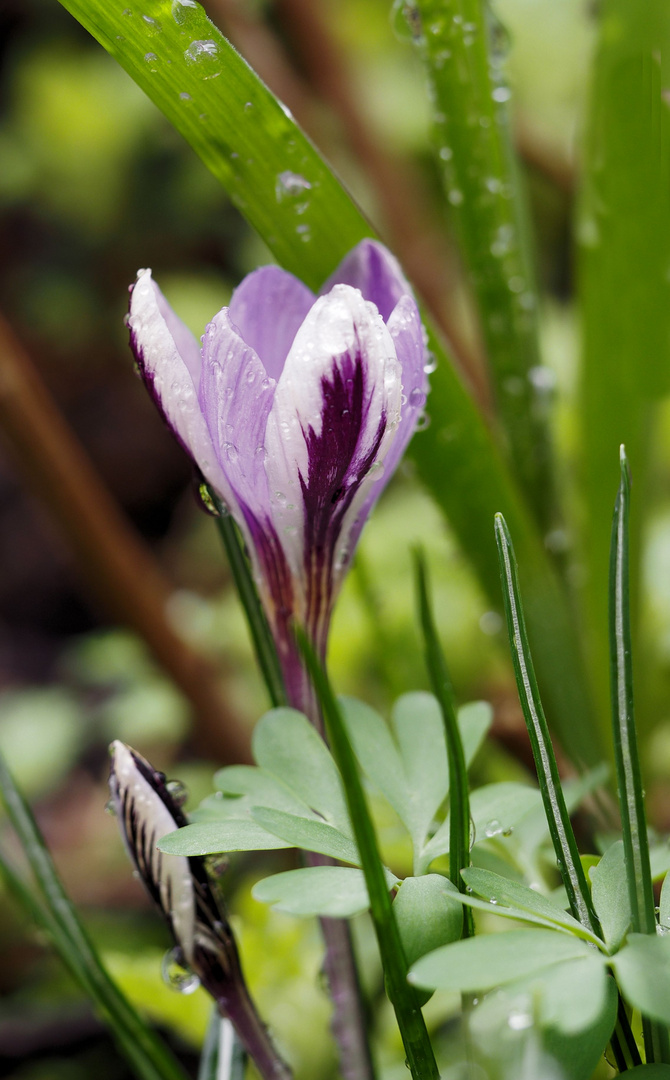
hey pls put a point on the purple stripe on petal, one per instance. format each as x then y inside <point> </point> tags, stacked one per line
<point>268,308</point>
<point>372,269</point>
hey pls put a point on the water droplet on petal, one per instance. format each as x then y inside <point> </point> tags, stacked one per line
<point>110,807</point>
<point>417,398</point>
<point>493,828</point>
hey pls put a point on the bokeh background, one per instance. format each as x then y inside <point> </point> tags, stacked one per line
<point>93,185</point>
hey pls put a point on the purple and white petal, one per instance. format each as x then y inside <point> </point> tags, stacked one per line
<point>168,357</point>
<point>235,398</point>
<point>268,308</point>
<point>372,269</point>
<point>335,410</point>
<point>407,333</point>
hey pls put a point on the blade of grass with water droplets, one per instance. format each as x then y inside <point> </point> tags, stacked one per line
<point>146,1053</point>
<point>462,45</point>
<point>629,776</point>
<point>459,804</point>
<point>418,1049</point>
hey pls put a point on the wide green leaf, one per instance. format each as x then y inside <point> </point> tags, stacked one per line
<point>480,963</point>
<point>309,834</point>
<point>609,890</point>
<point>285,744</point>
<point>428,914</point>
<point>643,972</point>
<point>256,787</point>
<point>335,892</point>
<point>210,838</point>
<point>502,892</point>
<point>495,811</point>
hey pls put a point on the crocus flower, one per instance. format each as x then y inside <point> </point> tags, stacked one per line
<point>182,890</point>
<point>296,411</point>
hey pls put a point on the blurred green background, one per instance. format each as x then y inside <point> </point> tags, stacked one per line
<point>93,185</point>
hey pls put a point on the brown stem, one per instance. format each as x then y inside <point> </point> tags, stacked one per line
<point>255,1037</point>
<point>118,568</point>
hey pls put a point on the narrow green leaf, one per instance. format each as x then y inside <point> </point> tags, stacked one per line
<point>459,805</point>
<point>481,963</point>
<point>333,892</point>
<point>623,230</point>
<point>311,835</point>
<point>418,1050</point>
<point>261,636</point>
<point>461,45</point>
<point>629,777</point>
<point>211,838</point>
<point>502,891</point>
<point>251,144</point>
<point>565,845</point>
<point>285,744</point>
<point>643,972</point>
<point>147,1055</point>
<point>609,889</point>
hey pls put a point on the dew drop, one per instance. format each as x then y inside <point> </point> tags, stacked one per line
<point>185,97</point>
<point>519,1021</point>
<point>423,422</point>
<point>290,185</point>
<point>493,828</point>
<point>446,153</point>
<point>110,807</point>
<point>182,10</point>
<point>501,94</point>
<point>178,792</point>
<point>490,623</point>
<point>176,974</point>
<point>455,197</point>
<point>417,398</point>
<point>431,364</point>
<point>205,54</point>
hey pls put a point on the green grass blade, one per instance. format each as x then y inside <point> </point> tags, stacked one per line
<point>261,636</point>
<point>623,233</point>
<point>459,803</point>
<point>246,138</point>
<point>418,1050</point>
<point>629,777</point>
<point>461,44</point>
<point>147,1054</point>
<point>560,828</point>
<point>223,1056</point>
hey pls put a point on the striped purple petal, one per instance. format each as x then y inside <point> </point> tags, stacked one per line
<point>376,273</point>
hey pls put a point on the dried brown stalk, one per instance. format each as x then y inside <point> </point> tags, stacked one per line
<point>118,568</point>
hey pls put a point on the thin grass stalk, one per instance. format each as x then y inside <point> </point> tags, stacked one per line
<point>560,828</point>
<point>459,801</point>
<point>629,776</point>
<point>259,630</point>
<point>223,1056</point>
<point>418,1050</point>
<point>558,819</point>
<point>149,1058</point>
